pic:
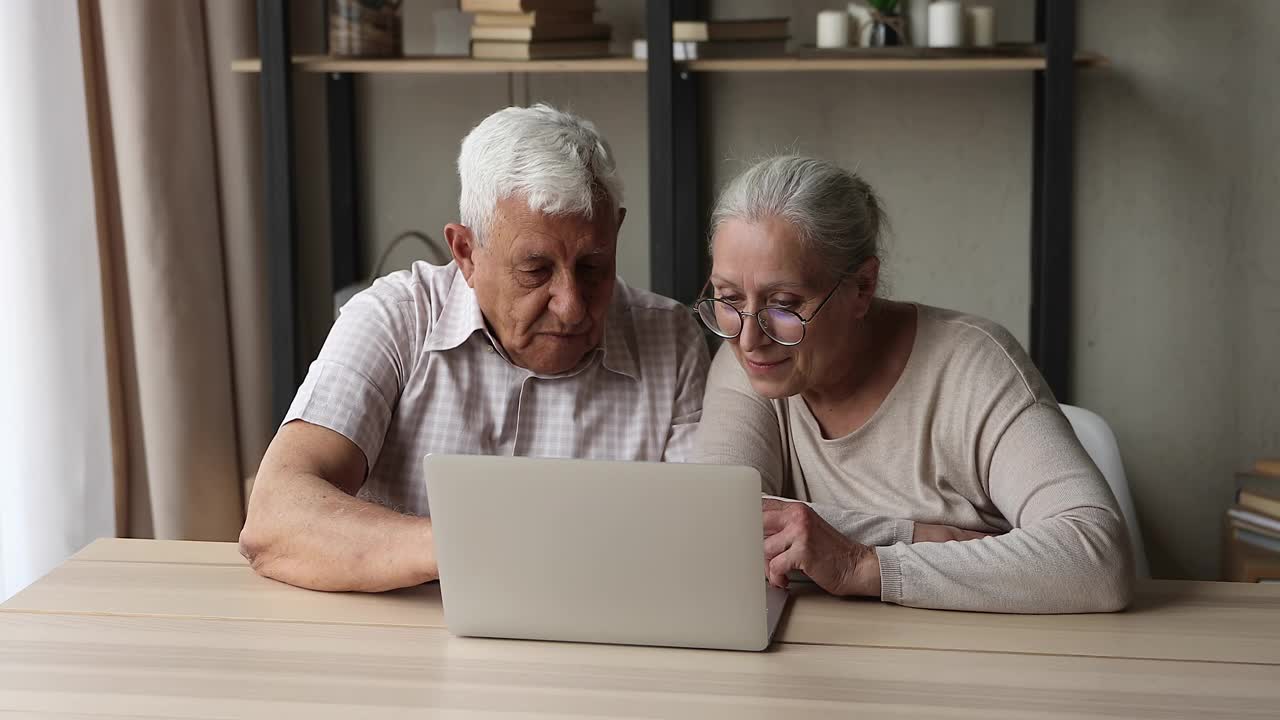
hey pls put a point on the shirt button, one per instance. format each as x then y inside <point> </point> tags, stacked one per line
<point>489,349</point>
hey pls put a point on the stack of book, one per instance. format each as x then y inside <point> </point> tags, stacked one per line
<point>708,39</point>
<point>1253,526</point>
<point>535,29</point>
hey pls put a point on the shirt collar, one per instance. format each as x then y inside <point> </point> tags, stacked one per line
<point>618,346</point>
<point>460,318</point>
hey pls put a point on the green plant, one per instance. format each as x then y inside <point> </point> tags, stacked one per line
<point>884,7</point>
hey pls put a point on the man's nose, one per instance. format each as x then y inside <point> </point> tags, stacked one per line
<point>569,301</point>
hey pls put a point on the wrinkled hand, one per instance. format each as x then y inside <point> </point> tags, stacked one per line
<point>797,538</point>
<point>925,532</point>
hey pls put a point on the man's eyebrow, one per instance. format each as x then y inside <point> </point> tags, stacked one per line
<point>543,255</point>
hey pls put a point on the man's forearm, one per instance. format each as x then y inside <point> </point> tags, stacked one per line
<point>304,531</point>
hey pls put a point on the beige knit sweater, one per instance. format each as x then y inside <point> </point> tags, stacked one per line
<point>970,436</point>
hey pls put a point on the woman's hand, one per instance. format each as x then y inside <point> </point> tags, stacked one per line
<point>797,538</point>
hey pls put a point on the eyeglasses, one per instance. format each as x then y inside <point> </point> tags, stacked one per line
<point>783,326</point>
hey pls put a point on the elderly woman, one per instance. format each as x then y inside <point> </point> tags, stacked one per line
<point>901,427</point>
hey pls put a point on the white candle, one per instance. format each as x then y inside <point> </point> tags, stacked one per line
<point>946,24</point>
<point>833,29</point>
<point>982,26</point>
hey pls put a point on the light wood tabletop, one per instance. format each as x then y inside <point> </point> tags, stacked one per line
<point>183,667</point>
<point>167,629</point>
<point>1170,620</point>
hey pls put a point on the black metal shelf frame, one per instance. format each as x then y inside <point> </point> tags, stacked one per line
<point>677,197</point>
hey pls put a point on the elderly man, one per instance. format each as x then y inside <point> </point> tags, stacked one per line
<point>527,344</point>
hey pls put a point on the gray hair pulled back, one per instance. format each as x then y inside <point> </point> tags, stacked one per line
<point>835,212</point>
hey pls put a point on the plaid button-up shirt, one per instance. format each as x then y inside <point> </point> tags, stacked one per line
<point>410,368</point>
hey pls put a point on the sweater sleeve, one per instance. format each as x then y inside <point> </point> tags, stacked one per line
<point>691,374</point>
<point>1068,551</point>
<point>740,427</point>
<point>870,530</point>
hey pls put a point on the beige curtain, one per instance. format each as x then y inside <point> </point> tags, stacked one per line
<point>175,144</point>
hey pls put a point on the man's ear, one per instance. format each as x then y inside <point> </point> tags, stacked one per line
<point>462,243</point>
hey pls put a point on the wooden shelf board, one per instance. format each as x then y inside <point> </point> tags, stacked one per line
<point>466,65</point>
<point>869,64</point>
<point>448,65</point>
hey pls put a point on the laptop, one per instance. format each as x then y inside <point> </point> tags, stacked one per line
<point>604,552</point>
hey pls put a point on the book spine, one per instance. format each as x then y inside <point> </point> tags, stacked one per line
<point>1261,504</point>
<point>1257,540</point>
<point>1254,518</point>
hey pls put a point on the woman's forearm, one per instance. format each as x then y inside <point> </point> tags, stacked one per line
<point>1069,564</point>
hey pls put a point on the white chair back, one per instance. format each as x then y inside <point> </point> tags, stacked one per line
<point>1098,440</point>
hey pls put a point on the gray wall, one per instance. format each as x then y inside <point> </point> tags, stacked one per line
<point>1178,259</point>
<point>1178,262</point>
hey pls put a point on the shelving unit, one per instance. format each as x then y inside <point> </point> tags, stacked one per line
<point>677,210</point>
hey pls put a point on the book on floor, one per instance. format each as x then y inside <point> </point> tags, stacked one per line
<point>1249,559</point>
<point>1261,502</point>
<point>534,18</point>
<point>524,6</point>
<point>1254,522</point>
<point>587,31</point>
<point>716,30</point>
<point>1252,549</point>
<point>506,50</point>
<point>1257,540</point>
<point>1253,480</point>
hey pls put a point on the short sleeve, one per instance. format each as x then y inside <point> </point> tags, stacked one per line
<point>353,386</point>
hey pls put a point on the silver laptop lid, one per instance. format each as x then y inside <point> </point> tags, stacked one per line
<point>596,551</point>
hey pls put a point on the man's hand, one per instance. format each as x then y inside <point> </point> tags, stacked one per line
<point>797,538</point>
<point>944,533</point>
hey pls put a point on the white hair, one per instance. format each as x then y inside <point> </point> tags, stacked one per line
<point>835,212</point>
<point>558,162</point>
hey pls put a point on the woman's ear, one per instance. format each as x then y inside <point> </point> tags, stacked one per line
<point>867,280</point>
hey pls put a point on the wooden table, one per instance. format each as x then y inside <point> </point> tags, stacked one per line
<point>167,629</point>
